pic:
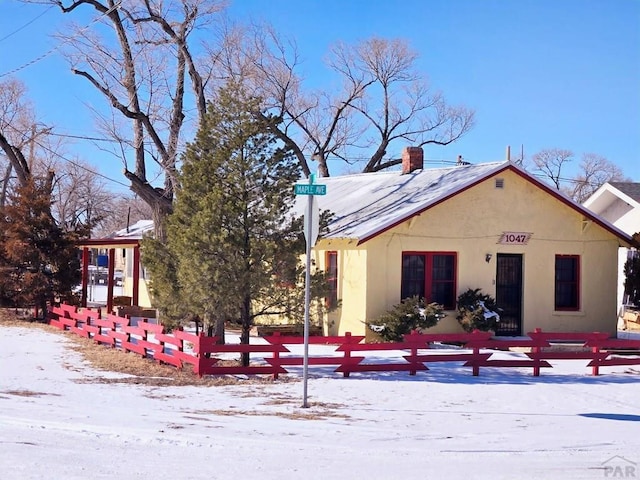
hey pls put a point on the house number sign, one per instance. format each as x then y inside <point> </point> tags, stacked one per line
<point>514,238</point>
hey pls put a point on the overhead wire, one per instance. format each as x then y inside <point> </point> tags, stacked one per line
<point>11,34</point>
<point>79,165</point>
<point>84,137</point>
<point>55,48</point>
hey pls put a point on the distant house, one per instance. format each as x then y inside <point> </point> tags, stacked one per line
<point>619,203</point>
<point>550,262</point>
<point>122,250</point>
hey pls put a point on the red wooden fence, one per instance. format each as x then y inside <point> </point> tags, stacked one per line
<point>477,349</point>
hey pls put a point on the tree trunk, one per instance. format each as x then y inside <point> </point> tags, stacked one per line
<point>5,185</point>
<point>219,330</point>
<point>16,159</point>
<point>161,203</point>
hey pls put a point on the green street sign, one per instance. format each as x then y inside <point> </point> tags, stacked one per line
<point>310,189</point>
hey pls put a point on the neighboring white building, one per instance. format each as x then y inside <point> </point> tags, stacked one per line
<point>619,203</point>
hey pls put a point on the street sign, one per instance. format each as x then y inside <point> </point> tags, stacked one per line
<point>309,189</point>
<point>312,225</point>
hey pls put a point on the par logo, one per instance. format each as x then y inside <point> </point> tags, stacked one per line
<point>619,467</point>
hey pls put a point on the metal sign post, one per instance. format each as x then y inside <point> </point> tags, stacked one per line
<point>311,222</point>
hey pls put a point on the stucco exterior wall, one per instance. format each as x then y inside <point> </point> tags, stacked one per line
<point>144,298</point>
<point>471,224</point>
<point>352,286</point>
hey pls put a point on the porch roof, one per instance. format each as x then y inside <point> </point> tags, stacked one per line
<point>127,237</point>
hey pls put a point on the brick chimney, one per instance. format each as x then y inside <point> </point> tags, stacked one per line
<point>412,159</point>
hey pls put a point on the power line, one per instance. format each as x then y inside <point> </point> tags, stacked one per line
<point>80,166</point>
<point>25,25</point>
<point>46,54</point>
<point>84,137</point>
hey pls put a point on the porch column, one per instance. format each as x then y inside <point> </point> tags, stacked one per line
<point>136,276</point>
<point>85,276</point>
<point>112,267</point>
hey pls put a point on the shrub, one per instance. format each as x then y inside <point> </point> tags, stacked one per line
<point>477,311</point>
<point>410,314</point>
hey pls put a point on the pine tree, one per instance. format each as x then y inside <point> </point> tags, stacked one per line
<point>232,238</point>
<point>39,262</point>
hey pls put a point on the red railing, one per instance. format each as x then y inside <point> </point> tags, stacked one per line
<point>477,349</point>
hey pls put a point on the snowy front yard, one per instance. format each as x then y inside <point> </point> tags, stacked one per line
<point>60,420</point>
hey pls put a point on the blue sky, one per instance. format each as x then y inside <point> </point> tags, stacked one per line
<point>539,74</point>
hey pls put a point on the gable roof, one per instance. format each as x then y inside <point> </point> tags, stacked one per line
<point>611,192</point>
<point>631,189</point>
<point>366,205</point>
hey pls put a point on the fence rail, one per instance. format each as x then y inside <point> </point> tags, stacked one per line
<point>350,355</point>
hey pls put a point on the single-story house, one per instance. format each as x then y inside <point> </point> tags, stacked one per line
<point>619,203</point>
<point>549,261</point>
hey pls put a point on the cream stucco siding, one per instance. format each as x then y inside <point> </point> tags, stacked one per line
<point>352,286</point>
<point>144,296</point>
<point>471,224</point>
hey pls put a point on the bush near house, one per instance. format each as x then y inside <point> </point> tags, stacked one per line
<point>412,313</point>
<point>477,311</point>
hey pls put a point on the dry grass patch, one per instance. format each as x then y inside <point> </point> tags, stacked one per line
<point>27,393</point>
<point>11,317</point>
<point>140,370</point>
<point>317,411</point>
<point>145,371</point>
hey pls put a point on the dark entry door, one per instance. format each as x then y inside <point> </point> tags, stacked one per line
<point>509,293</point>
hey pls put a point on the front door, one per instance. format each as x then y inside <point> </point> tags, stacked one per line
<point>509,294</point>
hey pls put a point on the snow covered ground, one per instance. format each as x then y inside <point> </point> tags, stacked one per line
<point>56,423</point>
<point>97,294</point>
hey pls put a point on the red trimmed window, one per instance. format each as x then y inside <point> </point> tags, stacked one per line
<point>567,284</point>
<point>431,275</point>
<point>332,278</point>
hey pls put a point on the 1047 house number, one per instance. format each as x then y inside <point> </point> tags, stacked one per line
<point>514,238</point>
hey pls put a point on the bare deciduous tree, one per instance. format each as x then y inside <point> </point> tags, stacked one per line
<point>79,197</point>
<point>16,121</point>
<point>125,211</point>
<point>382,99</point>
<point>551,162</point>
<point>593,171</point>
<point>31,150</point>
<point>141,65</point>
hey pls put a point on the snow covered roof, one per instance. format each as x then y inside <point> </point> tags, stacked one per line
<point>137,230</point>
<point>365,205</point>
<point>129,236</point>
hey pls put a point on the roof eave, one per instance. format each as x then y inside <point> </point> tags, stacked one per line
<point>110,242</point>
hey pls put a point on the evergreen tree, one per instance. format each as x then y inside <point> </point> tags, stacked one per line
<point>39,262</point>
<point>232,244</point>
